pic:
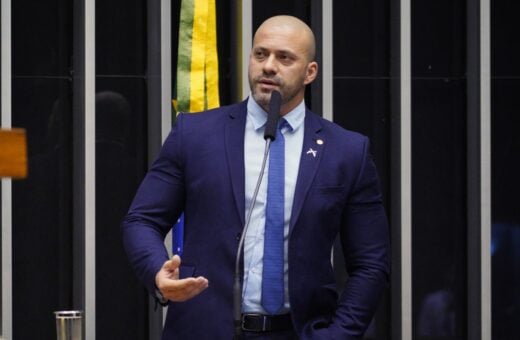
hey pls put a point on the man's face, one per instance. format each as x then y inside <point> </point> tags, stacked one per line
<point>279,61</point>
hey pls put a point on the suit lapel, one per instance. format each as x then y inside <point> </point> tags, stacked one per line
<point>234,134</point>
<point>312,151</point>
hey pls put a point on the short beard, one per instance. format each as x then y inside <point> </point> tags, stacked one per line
<point>262,99</point>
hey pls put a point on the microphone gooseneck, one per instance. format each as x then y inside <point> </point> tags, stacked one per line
<point>269,135</point>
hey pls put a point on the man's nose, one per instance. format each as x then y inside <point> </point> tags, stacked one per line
<point>270,65</point>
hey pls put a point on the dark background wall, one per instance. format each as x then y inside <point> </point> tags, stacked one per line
<point>42,204</point>
<point>121,160</point>
<point>439,173</point>
<point>505,154</point>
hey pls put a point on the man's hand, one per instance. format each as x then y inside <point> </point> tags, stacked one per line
<point>173,289</point>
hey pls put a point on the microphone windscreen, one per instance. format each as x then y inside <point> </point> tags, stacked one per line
<point>273,115</point>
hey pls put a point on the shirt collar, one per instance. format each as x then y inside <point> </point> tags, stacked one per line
<point>258,116</point>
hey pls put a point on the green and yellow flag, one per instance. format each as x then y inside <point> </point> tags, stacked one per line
<point>197,66</point>
<point>196,84</point>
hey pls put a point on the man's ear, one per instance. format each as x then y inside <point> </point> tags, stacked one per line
<point>311,73</point>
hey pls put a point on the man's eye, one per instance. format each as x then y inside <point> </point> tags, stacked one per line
<point>285,58</point>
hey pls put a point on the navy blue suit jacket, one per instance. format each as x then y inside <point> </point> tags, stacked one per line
<point>200,170</point>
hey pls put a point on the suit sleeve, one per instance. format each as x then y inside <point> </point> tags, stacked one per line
<point>157,205</point>
<point>365,241</point>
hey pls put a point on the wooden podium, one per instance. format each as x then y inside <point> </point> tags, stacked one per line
<point>13,153</point>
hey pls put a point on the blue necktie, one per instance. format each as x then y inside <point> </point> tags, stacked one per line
<point>273,262</point>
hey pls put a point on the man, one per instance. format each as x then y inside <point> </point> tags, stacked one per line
<point>208,168</point>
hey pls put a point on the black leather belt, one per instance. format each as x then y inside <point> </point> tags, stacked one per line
<point>266,323</point>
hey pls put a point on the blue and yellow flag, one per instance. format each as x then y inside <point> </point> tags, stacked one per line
<point>196,84</point>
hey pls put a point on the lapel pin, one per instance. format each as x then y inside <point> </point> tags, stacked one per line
<point>319,141</point>
<point>312,152</point>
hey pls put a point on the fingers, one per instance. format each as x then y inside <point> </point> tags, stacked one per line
<point>169,270</point>
<point>173,263</point>
<point>172,288</point>
<point>184,289</point>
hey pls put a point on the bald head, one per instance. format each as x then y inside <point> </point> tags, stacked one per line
<point>282,59</point>
<point>287,23</point>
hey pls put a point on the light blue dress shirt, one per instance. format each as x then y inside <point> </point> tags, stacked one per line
<point>254,146</point>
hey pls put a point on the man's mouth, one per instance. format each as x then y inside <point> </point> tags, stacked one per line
<point>268,83</point>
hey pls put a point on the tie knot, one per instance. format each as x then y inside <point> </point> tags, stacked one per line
<point>282,123</point>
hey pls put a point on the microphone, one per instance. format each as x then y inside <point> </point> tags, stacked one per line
<point>269,135</point>
<point>273,115</point>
